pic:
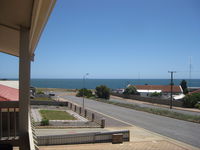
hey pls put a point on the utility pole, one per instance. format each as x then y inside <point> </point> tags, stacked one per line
<point>84,89</point>
<point>190,70</point>
<point>171,72</point>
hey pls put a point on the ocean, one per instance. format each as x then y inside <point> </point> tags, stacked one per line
<point>111,83</point>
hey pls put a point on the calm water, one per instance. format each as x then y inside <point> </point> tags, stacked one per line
<point>111,83</point>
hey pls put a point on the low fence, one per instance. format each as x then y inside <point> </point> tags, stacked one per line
<point>82,138</point>
<point>150,100</point>
<point>50,103</point>
<point>94,117</point>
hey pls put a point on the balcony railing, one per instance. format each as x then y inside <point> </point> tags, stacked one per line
<point>9,120</point>
<point>9,125</point>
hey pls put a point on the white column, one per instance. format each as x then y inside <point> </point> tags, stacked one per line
<point>24,85</point>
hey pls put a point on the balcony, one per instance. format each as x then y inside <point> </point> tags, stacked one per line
<point>9,125</point>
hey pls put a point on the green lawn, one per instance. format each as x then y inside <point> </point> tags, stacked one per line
<point>56,115</point>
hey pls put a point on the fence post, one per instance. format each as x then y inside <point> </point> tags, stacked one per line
<point>70,105</point>
<point>75,108</point>
<point>80,110</point>
<point>93,117</point>
<point>102,123</point>
<point>85,113</point>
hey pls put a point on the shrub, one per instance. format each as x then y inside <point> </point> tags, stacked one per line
<point>44,122</point>
<point>131,90</point>
<point>102,91</point>
<point>156,94</point>
<point>39,92</point>
<point>86,92</point>
<point>191,100</point>
<point>197,105</point>
<point>184,86</point>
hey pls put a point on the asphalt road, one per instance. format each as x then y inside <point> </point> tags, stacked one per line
<point>183,131</point>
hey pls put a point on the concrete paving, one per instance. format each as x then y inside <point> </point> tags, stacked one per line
<point>140,139</point>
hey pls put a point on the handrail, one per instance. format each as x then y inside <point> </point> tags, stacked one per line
<point>30,134</point>
<point>9,104</point>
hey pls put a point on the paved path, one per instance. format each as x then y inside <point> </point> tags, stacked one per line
<point>184,131</point>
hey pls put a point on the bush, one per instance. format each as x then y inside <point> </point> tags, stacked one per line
<point>131,90</point>
<point>184,86</point>
<point>102,91</point>
<point>156,94</point>
<point>197,105</point>
<point>191,100</point>
<point>44,122</point>
<point>86,92</point>
<point>39,92</point>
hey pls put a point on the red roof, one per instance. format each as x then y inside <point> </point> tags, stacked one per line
<point>8,93</point>
<point>196,91</point>
<point>164,88</point>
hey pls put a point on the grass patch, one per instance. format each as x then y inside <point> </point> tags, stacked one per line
<point>56,90</point>
<point>56,115</point>
<point>157,111</point>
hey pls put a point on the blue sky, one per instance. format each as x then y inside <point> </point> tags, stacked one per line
<point>116,39</point>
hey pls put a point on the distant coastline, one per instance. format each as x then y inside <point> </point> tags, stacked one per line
<point>111,83</point>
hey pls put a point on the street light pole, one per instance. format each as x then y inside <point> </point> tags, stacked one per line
<point>84,89</point>
<point>171,96</point>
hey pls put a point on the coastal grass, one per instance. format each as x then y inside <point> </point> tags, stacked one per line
<point>56,90</point>
<point>157,111</point>
<point>56,115</point>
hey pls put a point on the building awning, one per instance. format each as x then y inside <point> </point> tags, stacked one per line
<point>29,14</point>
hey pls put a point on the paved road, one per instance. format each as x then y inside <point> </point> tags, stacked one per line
<point>184,131</point>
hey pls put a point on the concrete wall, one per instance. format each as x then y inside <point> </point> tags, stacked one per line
<point>149,99</point>
<point>81,138</point>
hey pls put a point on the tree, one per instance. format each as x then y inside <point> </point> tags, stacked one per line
<point>131,90</point>
<point>102,91</point>
<point>191,100</point>
<point>85,92</point>
<point>184,86</point>
<point>156,94</point>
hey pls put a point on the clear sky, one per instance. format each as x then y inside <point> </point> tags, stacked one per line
<point>116,39</point>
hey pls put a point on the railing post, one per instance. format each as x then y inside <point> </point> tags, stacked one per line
<point>15,123</point>
<point>8,122</point>
<point>102,123</point>
<point>85,113</point>
<point>80,110</point>
<point>70,105</point>
<point>75,108</point>
<point>93,117</point>
<point>1,123</point>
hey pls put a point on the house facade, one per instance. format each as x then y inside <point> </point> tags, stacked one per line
<point>147,90</point>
